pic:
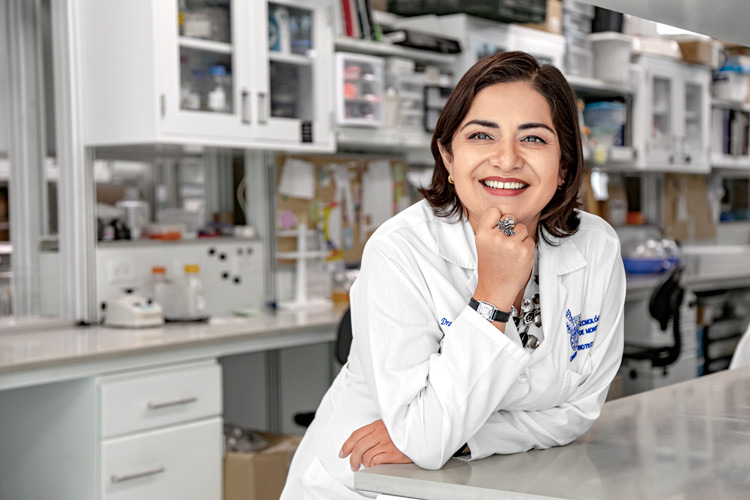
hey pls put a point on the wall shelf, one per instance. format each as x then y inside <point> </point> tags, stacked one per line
<point>384,49</point>
<point>206,45</point>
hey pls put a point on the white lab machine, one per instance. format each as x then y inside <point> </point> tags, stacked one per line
<point>132,310</point>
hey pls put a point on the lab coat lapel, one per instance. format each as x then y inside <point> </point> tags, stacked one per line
<point>455,242</point>
<point>557,261</point>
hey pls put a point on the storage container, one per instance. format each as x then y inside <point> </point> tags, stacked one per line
<point>612,52</point>
<point>605,119</point>
<point>580,8</point>
<point>574,21</point>
<point>360,89</point>
<point>579,61</point>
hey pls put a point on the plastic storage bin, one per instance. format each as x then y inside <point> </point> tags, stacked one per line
<point>360,90</point>
<point>611,56</point>
<point>579,61</point>
<point>606,120</point>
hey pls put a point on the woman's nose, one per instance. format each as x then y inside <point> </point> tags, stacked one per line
<point>506,156</point>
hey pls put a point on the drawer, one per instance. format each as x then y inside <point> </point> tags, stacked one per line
<point>147,399</point>
<point>183,461</point>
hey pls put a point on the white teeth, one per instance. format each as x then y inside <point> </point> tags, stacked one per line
<point>504,185</point>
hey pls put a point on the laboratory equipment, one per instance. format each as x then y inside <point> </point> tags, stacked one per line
<point>132,310</point>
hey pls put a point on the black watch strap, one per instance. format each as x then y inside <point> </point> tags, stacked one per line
<point>494,315</point>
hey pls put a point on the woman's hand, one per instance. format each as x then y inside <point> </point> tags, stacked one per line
<point>504,263</point>
<point>371,445</point>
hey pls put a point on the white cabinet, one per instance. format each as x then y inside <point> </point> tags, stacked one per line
<point>161,433</point>
<point>672,116</point>
<point>137,434</point>
<point>180,462</point>
<point>202,72</point>
<point>4,76</point>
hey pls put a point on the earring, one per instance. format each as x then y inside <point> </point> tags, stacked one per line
<point>450,179</point>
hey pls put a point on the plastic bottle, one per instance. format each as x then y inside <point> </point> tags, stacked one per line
<point>219,97</point>
<point>190,95</point>
<point>195,303</point>
<point>162,293</point>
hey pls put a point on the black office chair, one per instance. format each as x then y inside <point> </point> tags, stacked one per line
<point>343,346</point>
<point>664,305</point>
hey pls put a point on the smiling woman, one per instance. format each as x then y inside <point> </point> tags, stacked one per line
<point>437,368</point>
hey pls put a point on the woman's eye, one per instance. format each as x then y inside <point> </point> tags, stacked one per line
<point>480,135</point>
<point>534,138</point>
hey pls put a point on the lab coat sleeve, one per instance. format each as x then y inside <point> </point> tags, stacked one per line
<point>517,431</point>
<point>432,391</point>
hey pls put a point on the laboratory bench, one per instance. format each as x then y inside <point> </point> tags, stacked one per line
<point>108,413</point>
<point>689,441</point>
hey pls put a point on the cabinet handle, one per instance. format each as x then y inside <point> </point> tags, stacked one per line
<point>163,105</point>
<point>245,106</point>
<point>262,118</point>
<point>173,402</point>
<point>121,478</point>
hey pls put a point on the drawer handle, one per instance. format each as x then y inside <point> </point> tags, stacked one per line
<point>173,402</point>
<point>120,478</point>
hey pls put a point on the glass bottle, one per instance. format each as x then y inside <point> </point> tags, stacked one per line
<point>161,290</point>
<point>220,95</point>
<point>195,303</point>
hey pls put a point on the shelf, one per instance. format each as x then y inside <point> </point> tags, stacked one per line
<point>294,59</point>
<point>206,45</point>
<point>387,49</point>
<point>318,254</point>
<point>720,160</point>
<point>615,155</point>
<point>383,138</point>
<point>724,103</point>
<point>596,87</point>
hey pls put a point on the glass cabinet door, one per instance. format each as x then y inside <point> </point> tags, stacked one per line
<point>293,101</point>
<point>693,136</point>
<point>661,133</point>
<point>201,90</point>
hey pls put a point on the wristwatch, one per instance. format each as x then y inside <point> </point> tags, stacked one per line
<point>488,311</point>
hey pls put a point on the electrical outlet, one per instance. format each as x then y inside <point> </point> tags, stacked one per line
<point>120,271</point>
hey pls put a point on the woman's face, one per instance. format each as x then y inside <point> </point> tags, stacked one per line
<point>506,154</point>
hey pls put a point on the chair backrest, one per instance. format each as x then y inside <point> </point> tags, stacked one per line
<point>344,337</point>
<point>664,305</point>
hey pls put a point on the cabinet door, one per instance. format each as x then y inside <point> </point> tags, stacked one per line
<point>182,462</point>
<point>200,92</point>
<point>695,123</point>
<point>660,103</point>
<point>295,81</point>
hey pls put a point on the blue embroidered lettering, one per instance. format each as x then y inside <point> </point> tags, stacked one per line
<point>445,322</point>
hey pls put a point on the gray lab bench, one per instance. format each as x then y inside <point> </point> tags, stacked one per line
<point>686,441</point>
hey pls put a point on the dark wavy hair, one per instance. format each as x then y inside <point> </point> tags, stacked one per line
<point>558,217</point>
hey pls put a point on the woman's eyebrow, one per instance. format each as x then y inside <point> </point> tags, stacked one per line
<point>483,123</point>
<point>526,126</point>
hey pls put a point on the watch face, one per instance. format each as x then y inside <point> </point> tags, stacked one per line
<point>485,309</point>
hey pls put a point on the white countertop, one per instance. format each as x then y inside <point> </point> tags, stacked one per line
<point>45,354</point>
<point>685,441</point>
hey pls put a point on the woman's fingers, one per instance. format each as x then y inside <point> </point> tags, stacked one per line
<point>349,444</point>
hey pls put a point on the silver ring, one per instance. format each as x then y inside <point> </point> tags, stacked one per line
<point>506,225</point>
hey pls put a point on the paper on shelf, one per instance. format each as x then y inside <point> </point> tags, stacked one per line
<point>377,196</point>
<point>297,179</point>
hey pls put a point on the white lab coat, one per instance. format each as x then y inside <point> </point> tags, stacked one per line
<point>439,375</point>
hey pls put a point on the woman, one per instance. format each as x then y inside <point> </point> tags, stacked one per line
<point>437,367</point>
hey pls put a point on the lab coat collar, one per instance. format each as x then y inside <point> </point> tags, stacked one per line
<point>455,241</point>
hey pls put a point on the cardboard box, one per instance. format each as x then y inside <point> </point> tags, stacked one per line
<point>259,475</point>
<point>553,22</point>
<point>707,52</point>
